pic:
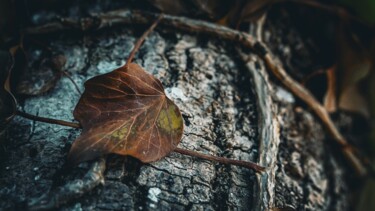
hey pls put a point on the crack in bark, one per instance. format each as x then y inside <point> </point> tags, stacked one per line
<point>72,190</point>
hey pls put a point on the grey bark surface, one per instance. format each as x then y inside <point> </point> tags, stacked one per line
<point>231,108</point>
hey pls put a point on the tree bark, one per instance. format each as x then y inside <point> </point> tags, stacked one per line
<point>231,108</point>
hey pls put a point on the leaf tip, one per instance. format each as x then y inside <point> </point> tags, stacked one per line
<point>76,155</point>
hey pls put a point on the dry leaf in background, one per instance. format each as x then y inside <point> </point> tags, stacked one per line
<point>353,66</point>
<point>7,101</point>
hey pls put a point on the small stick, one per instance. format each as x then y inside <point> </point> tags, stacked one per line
<point>246,164</point>
<point>312,75</point>
<point>139,42</point>
<point>125,16</point>
<point>71,79</point>
<point>48,120</point>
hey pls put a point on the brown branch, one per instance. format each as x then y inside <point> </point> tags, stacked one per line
<point>48,120</point>
<point>66,74</point>
<point>139,42</point>
<point>246,164</point>
<point>120,17</point>
<point>125,16</point>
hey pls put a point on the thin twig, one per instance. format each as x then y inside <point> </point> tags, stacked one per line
<point>125,16</point>
<point>48,120</point>
<point>7,87</point>
<point>139,42</point>
<point>121,17</point>
<point>246,164</point>
<point>72,190</point>
<point>312,75</point>
<point>72,80</point>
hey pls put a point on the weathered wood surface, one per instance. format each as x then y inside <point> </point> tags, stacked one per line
<point>230,108</point>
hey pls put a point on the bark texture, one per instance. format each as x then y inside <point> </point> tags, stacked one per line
<point>231,108</point>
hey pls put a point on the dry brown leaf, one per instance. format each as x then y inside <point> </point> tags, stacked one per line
<point>351,99</point>
<point>126,112</point>
<point>353,67</point>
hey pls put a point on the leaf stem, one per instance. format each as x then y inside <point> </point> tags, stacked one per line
<point>66,74</point>
<point>140,41</point>
<point>246,164</point>
<point>48,120</point>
